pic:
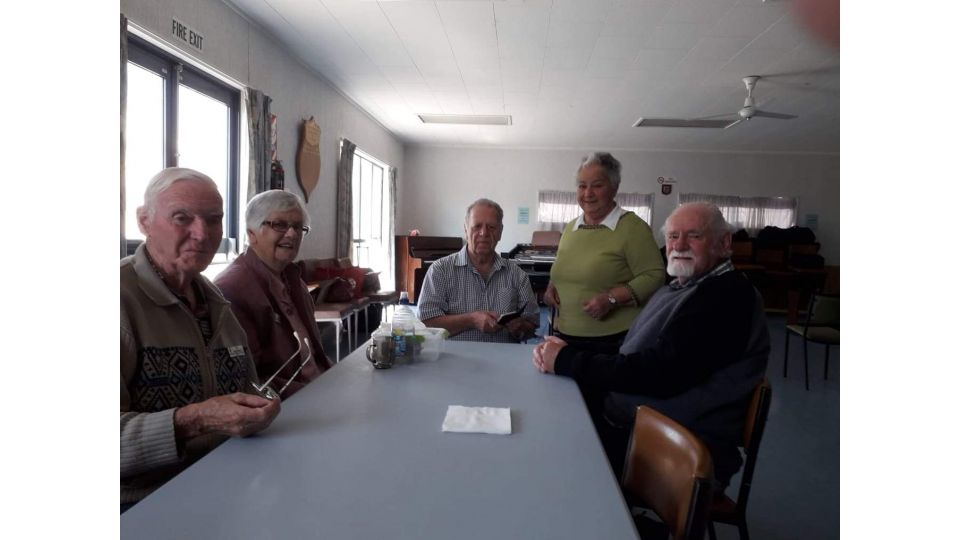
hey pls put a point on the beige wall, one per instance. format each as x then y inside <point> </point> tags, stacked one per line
<point>443,181</point>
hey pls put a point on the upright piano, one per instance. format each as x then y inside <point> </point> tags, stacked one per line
<point>415,254</point>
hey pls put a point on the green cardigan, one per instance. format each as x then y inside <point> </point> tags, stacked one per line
<point>594,260</point>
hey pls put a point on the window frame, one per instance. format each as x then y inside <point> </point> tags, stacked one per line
<point>175,71</point>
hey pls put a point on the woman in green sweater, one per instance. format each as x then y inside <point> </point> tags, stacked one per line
<point>607,266</point>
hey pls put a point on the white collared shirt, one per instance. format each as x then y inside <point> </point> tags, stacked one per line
<point>610,222</point>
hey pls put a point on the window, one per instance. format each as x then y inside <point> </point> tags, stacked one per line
<point>750,213</point>
<point>557,208</point>
<point>371,215</point>
<point>177,116</point>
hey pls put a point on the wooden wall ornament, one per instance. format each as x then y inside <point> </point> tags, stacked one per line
<point>308,157</point>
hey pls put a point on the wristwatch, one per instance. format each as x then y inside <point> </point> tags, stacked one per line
<point>612,299</point>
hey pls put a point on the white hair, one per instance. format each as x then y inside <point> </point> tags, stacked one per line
<point>609,164</point>
<point>274,200</point>
<point>166,178</point>
<point>716,225</point>
<point>484,202</point>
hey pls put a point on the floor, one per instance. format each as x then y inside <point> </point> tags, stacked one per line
<point>796,487</point>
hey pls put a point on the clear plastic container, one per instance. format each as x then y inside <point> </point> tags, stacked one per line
<point>429,344</point>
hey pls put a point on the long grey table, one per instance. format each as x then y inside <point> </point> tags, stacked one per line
<point>359,453</point>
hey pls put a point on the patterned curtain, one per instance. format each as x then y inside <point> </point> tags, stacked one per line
<point>258,116</point>
<point>345,200</point>
<point>750,213</point>
<point>123,134</point>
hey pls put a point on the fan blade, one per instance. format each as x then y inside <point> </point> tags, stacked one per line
<point>733,124</point>
<point>779,116</point>
<point>680,122</point>
<point>725,115</point>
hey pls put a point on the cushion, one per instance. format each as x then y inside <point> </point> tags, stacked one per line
<point>335,289</point>
<point>352,274</point>
<point>371,283</point>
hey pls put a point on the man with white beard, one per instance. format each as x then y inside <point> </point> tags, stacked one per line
<point>695,353</point>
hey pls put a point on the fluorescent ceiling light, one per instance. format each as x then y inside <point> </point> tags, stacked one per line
<point>471,119</point>
<point>680,122</point>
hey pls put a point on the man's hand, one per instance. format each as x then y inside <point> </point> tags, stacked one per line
<point>236,415</point>
<point>598,306</point>
<point>485,321</point>
<point>550,296</point>
<point>545,354</point>
<point>521,328</point>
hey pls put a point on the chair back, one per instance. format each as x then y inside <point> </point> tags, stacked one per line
<point>742,251</point>
<point>669,470</point>
<point>752,434</point>
<point>824,310</point>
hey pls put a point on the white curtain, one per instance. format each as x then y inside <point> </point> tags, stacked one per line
<point>557,208</point>
<point>640,204</point>
<point>750,213</point>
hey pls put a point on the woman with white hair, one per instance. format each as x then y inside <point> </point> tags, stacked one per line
<point>607,266</point>
<point>269,297</point>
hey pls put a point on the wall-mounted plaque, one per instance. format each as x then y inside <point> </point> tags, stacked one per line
<point>308,157</point>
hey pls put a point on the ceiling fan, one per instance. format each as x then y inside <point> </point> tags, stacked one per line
<point>748,111</point>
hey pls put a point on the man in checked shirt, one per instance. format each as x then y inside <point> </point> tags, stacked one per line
<point>466,292</point>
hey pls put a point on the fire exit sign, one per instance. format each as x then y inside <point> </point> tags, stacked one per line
<point>186,34</point>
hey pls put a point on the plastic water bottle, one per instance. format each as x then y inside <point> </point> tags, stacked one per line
<point>404,327</point>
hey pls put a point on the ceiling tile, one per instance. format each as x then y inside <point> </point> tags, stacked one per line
<point>618,46</point>
<point>568,34</point>
<point>658,59</point>
<point>696,11</point>
<point>579,11</point>
<point>631,18</point>
<point>561,77</point>
<point>748,19</point>
<point>481,76</point>
<point>566,58</point>
<point>608,67</point>
<point>675,36</point>
<point>367,25</point>
<point>718,48</point>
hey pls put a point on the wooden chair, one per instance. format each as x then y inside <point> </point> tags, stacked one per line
<point>670,471</point>
<point>821,326</point>
<point>723,509</point>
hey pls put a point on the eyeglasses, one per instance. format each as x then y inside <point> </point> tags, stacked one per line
<point>264,390</point>
<point>282,226</point>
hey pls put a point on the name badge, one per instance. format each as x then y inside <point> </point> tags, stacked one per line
<point>236,351</point>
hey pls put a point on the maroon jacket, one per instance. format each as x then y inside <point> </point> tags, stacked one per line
<point>246,284</point>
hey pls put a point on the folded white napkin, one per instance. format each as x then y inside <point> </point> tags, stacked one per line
<point>495,420</point>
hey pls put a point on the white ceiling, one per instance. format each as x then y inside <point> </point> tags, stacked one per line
<point>571,73</point>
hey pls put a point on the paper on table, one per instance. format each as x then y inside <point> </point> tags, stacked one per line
<point>460,419</point>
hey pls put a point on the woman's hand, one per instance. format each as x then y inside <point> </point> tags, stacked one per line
<point>598,306</point>
<point>550,296</point>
